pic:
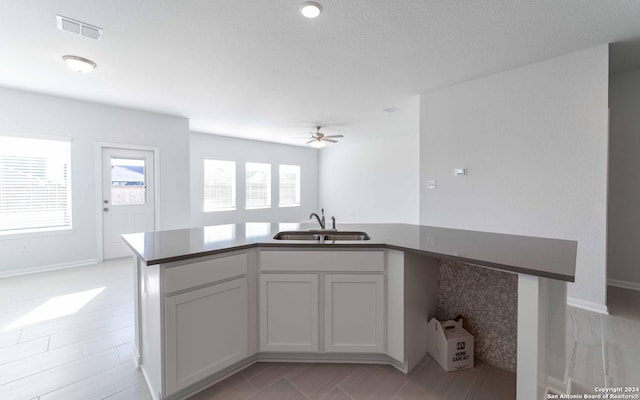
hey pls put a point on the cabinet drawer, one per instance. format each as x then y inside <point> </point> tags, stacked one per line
<point>208,271</point>
<point>321,260</point>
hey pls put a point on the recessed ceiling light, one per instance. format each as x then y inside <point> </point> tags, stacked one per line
<point>310,9</point>
<point>79,64</point>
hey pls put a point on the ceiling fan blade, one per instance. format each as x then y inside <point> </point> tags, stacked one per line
<point>329,140</point>
<point>333,136</point>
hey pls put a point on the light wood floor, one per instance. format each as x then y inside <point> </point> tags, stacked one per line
<point>87,354</point>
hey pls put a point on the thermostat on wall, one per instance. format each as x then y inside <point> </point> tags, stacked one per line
<point>460,171</point>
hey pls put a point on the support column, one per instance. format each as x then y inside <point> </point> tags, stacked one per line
<point>533,308</point>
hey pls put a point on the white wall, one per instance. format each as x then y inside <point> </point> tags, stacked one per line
<point>36,115</point>
<point>376,180</point>
<point>205,146</point>
<point>624,179</point>
<point>373,181</point>
<point>534,140</point>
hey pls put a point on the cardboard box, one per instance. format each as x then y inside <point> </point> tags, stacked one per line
<point>450,344</point>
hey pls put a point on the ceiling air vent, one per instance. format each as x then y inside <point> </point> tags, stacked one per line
<point>78,28</point>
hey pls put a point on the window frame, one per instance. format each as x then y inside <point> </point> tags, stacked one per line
<point>233,182</point>
<point>268,189</point>
<point>298,186</point>
<point>63,159</point>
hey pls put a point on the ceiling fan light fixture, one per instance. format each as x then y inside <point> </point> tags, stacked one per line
<point>319,139</point>
<point>310,9</point>
<point>317,144</point>
<point>79,64</point>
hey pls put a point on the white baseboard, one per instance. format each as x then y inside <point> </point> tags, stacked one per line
<point>623,284</point>
<point>588,305</point>
<point>556,386</point>
<point>135,355</point>
<point>50,267</point>
<point>154,396</point>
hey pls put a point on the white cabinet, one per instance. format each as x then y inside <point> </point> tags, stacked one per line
<point>206,331</point>
<point>354,313</point>
<point>199,273</point>
<point>329,301</point>
<point>322,260</point>
<point>289,312</point>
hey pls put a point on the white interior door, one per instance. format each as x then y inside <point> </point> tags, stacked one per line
<point>128,203</point>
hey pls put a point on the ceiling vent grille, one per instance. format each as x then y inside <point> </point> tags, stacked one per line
<point>78,28</point>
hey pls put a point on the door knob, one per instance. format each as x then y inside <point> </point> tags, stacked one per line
<point>105,209</point>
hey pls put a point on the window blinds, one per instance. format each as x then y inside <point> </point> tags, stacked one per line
<point>289,185</point>
<point>35,184</point>
<point>258,185</point>
<point>219,185</point>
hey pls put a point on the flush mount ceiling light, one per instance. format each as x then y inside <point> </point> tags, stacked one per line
<point>310,9</point>
<point>79,64</point>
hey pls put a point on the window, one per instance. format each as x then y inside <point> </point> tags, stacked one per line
<point>128,181</point>
<point>289,185</point>
<point>219,185</point>
<point>258,185</point>
<point>35,184</point>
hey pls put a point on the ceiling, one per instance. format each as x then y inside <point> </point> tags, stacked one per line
<point>258,69</point>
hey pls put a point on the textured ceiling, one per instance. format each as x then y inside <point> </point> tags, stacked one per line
<point>258,69</point>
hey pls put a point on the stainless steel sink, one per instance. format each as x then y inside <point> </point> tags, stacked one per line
<point>321,235</point>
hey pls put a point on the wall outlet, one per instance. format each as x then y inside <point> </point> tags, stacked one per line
<point>431,184</point>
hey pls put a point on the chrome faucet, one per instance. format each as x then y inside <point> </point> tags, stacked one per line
<point>320,221</point>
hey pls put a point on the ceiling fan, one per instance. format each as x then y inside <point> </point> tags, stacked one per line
<point>318,138</point>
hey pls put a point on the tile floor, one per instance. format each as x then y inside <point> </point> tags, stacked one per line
<point>354,382</point>
<point>604,350</point>
<point>83,355</point>
<point>87,353</point>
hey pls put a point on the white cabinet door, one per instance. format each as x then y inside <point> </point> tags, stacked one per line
<point>354,313</point>
<point>289,312</point>
<point>206,331</point>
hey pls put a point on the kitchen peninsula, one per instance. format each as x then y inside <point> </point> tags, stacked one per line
<point>213,300</point>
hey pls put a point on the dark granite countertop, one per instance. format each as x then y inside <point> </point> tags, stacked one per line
<point>551,258</point>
